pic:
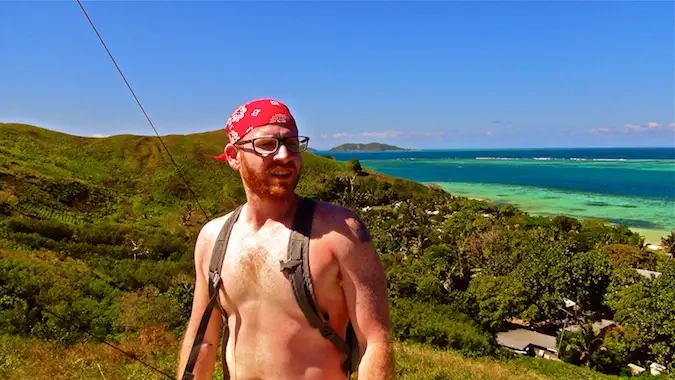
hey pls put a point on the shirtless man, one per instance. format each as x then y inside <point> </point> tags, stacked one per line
<point>270,337</point>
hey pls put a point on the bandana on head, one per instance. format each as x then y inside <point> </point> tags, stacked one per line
<point>254,114</point>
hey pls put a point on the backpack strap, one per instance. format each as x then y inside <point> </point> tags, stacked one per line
<point>296,269</point>
<point>217,257</point>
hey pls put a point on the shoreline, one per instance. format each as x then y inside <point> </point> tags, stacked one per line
<point>652,236</point>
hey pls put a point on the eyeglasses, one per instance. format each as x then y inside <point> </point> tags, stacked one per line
<point>270,145</point>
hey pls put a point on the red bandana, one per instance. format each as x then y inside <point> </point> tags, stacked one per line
<point>253,114</point>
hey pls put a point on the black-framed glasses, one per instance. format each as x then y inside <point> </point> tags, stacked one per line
<point>270,145</point>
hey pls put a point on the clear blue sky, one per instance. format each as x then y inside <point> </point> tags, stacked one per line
<point>418,75</point>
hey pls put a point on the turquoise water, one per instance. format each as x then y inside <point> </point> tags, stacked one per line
<point>629,186</point>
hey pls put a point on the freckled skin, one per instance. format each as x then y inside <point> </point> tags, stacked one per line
<point>270,337</point>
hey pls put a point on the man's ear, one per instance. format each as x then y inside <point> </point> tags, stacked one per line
<point>232,155</point>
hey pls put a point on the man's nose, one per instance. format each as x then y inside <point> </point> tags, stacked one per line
<point>282,153</point>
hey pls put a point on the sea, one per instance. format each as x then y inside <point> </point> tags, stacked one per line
<point>634,187</point>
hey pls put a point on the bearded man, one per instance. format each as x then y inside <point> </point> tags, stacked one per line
<point>267,333</point>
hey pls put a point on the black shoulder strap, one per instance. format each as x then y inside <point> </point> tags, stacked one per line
<point>217,256</point>
<point>296,269</point>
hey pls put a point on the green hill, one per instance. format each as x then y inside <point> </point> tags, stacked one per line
<point>125,177</point>
<point>370,147</point>
<point>101,232</point>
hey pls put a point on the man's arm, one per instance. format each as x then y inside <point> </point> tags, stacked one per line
<point>207,355</point>
<point>365,288</point>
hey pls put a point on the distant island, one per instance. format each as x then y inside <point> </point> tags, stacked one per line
<point>370,147</point>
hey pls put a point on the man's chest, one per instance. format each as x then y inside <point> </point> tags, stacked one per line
<point>252,273</point>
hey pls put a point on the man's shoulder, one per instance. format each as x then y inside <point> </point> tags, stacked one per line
<point>212,228</point>
<point>208,235</point>
<point>341,221</point>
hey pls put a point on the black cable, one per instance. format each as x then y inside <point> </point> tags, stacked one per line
<point>141,106</point>
<point>127,354</point>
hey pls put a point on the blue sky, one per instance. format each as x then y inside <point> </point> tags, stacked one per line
<point>419,75</point>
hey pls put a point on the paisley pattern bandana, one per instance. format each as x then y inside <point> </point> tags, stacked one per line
<point>254,114</point>
<point>257,113</point>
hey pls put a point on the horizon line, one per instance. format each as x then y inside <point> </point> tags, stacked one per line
<point>327,150</point>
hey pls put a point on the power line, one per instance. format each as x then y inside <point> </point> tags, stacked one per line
<point>141,106</point>
<point>130,355</point>
<point>126,82</point>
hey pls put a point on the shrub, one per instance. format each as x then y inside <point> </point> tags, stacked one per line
<point>148,307</point>
<point>440,326</point>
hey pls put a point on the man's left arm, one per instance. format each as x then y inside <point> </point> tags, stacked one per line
<point>365,287</point>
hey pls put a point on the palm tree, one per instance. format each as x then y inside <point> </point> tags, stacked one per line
<point>587,346</point>
<point>668,243</point>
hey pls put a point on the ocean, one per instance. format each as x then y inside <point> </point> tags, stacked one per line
<point>630,186</point>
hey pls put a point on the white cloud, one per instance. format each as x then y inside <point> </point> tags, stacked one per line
<point>651,126</point>
<point>427,134</point>
<point>382,134</point>
<point>632,128</point>
<point>339,135</point>
<point>98,135</point>
<point>599,131</point>
<point>489,133</point>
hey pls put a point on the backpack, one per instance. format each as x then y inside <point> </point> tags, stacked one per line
<point>296,270</point>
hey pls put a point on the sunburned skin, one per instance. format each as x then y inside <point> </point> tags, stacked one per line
<point>269,335</point>
<point>271,338</point>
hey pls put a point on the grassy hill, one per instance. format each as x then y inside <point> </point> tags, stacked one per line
<point>101,231</point>
<point>122,177</point>
<point>95,361</point>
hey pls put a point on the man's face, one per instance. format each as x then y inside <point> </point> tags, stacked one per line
<point>270,176</point>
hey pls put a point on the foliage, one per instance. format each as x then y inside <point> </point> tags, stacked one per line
<point>28,358</point>
<point>647,306</point>
<point>102,232</point>
<point>668,242</point>
<point>439,326</point>
<point>355,165</point>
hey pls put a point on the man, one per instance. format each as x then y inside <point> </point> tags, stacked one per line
<point>269,336</point>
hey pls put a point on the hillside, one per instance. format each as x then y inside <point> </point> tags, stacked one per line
<point>370,147</point>
<point>414,362</point>
<point>101,232</point>
<point>125,177</point>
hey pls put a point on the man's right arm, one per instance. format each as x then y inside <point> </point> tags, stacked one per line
<point>207,355</point>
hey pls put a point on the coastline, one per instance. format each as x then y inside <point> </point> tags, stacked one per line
<point>652,236</point>
<point>621,186</point>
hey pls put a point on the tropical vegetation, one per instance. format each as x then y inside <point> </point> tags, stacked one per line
<point>96,240</point>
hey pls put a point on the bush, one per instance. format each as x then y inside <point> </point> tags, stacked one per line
<point>148,307</point>
<point>440,326</point>
<point>48,228</point>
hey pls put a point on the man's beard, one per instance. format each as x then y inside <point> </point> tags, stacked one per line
<point>265,185</point>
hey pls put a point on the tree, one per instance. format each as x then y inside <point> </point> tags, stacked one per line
<point>668,243</point>
<point>624,254</point>
<point>496,299</point>
<point>648,307</point>
<point>355,165</point>
<point>582,348</point>
<point>585,278</point>
<point>604,351</point>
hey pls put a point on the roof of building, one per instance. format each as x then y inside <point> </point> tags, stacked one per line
<point>648,273</point>
<point>597,325</point>
<point>519,339</point>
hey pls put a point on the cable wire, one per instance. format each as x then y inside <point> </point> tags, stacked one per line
<point>130,355</point>
<point>141,106</point>
<point>147,117</point>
